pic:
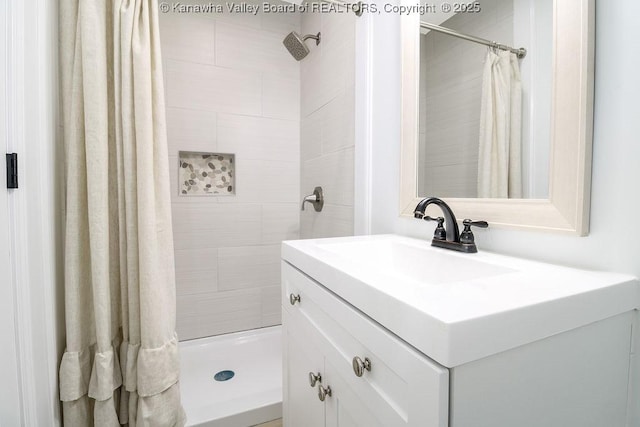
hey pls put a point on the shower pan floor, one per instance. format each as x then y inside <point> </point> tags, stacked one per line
<point>253,395</point>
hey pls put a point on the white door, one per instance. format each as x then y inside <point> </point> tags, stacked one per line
<point>10,414</point>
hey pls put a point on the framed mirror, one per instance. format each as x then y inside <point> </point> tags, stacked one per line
<point>449,111</point>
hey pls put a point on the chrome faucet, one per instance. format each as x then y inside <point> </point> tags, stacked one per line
<point>449,238</point>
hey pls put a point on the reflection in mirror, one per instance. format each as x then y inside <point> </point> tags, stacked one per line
<point>484,114</point>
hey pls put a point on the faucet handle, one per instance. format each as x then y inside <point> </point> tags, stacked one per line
<point>467,235</point>
<point>470,223</point>
<point>440,233</point>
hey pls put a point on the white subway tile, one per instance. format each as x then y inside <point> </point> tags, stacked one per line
<point>243,48</point>
<point>271,305</point>
<point>338,122</point>
<point>314,90</point>
<point>187,37</point>
<point>190,260</point>
<point>196,282</point>
<point>326,71</point>
<point>324,79</point>
<point>211,88</point>
<point>280,222</point>
<point>212,216</point>
<point>338,29</point>
<point>217,313</point>
<point>214,225</point>
<point>239,17</point>
<point>280,22</point>
<point>311,22</point>
<point>334,172</point>
<point>248,267</point>
<point>191,130</point>
<point>246,20</point>
<point>258,138</point>
<point>280,97</point>
<point>333,221</point>
<point>311,135</point>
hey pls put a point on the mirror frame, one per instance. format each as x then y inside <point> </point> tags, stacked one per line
<point>567,208</point>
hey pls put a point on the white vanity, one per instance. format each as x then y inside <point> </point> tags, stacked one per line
<point>393,332</point>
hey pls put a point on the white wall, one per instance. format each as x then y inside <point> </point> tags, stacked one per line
<point>231,87</point>
<point>613,242</point>
<point>328,123</point>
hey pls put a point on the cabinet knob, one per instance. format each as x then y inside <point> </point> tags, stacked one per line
<point>323,392</point>
<point>314,378</point>
<point>359,365</point>
<point>293,299</point>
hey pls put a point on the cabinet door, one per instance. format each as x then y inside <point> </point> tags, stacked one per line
<point>345,407</point>
<point>401,387</point>
<point>301,407</point>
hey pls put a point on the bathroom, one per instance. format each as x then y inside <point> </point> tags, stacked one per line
<point>335,119</point>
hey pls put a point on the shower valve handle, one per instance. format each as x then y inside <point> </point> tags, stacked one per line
<point>316,199</point>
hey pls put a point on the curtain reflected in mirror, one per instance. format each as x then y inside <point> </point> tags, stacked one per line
<point>484,114</point>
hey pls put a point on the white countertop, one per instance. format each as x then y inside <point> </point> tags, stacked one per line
<point>456,307</point>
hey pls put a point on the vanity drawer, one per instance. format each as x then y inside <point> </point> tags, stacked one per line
<point>403,386</point>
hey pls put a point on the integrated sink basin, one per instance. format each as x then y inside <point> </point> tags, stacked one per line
<point>414,261</point>
<point>459,307</point>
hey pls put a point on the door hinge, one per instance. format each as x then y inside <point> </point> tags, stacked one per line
<point>12,170</point>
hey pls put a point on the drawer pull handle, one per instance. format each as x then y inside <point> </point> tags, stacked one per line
<point>314,378</point>
<point>293,299</point>
<point>359,366</point>
<point>323,392</point>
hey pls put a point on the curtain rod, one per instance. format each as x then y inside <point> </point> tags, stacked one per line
<point>521,52</point>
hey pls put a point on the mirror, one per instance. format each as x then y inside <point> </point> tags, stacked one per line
<point>441,134</point>
<point>467,113</point>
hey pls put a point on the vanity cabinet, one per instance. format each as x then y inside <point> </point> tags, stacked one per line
<point>323,335</point>
<point>387,353</point>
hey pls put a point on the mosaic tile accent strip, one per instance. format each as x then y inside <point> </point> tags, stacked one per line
<point>206,174</point>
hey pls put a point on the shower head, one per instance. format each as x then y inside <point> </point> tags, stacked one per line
<point>296,46</point>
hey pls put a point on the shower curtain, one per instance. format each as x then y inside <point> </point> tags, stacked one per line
<point>499,155</point>
<point>120,365</point>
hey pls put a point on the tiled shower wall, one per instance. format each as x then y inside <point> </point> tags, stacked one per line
<point>231,87</point>
<point>328,123</point>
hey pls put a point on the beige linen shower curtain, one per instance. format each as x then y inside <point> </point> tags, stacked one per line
<point>499,155</point>
<point>121,360</point>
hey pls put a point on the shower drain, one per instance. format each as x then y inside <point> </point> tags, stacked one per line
<point>224,375</point>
